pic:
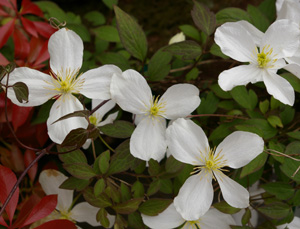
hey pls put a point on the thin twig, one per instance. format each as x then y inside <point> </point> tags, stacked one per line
<point>98,106</point>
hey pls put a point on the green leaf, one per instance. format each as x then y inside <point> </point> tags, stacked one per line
<point>118,129</point>
<point>122,159</point>
<point>277,210</point>
<point>259,20</point>
<point>101,201</point>
<point>282,191</point>
<point>131,34</point>
<point>113,193</point>
<point>254,165</point>
<point>76,156</point>
<point>153,187</point>
<point>244,98</point>
<point>290,166</point>
<point>264,106</point>
<point>295,135</point>
<point>125,192</point>
<point>203,18</point>
<point>107,33</point>
<point>154,167</point>
<point>159,65</point>
<point>75,138</point>
<point>209,104</point>
<point>104,161</point>
<point>81,30</point>
<point>172,165</point>
<point>189,50</point>
<point>216,50</point>
<point>43,113</point>
<point>166,186</point>
<point>114,58</point>
<point>190,31</point>
<point>21,92</point>
<point>246,217</point>
<point>275,121</point>
<point>95,17</point>
<point>135,221</point>
<point>225,208</point>
<point>110,3</point>
<point>267,7</point>
<point>192,74</point>
<point>137,189</point>
<point>80,170</point>
<point>99,187</point>
<point>231,14</point>
<point>52,10</point>
<point>219,92</point>
<point>73,183</point>
<point>287,115</point>
<point>102,217</point>
<point>128,206</point>
<point>153,207</point>
<point>83,113</point>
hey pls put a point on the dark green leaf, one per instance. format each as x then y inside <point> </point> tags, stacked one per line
<point>104,161</point>
<point>209,104</point>
<point>110,3</point>
<point>21,92</point>
<point>154,167</point>
<point>80,170</point>
<point>102,217</point>
<point>154,206</point>
<point>137,189</point>
<point>76,156</point>
<point>131,34</point>
<point>203,18</point>
<point>114,58</point>
<point>73,183</point>
<point>231,14</point>
<point>113,193</point>
<point>246,217</point>
<point>107,33</point>
<point>159,65</point>
<point>99,187</point>
<point>166,186</point>
<point>153,187</point>
<point>10,67</point>
<point>118,129</point>
<point>192,74</point>
<point>259,20</point>
<point>225,208</point>
<point>95,17</point>
<point>83,113</point>
<point>219,92</point>
<point>102,201</point>
<point>295,135</point>
<point>75,138</point>
<point>282,191</point>
<point>277,210</point>
<point>128,206</point>
<point>215,50</point>
<point>172,165</point>
<point>287,115</point>
<point>267,7</point>
<point>190,31</point>
<point>275,121</point>
<point>244,98</point>
<point>254,165</point>
<point>125,193</point>
<point>264,106</point>
<point>135,221</point>
<point>189,50</point>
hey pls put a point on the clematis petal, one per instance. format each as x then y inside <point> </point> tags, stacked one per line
<point>167,219</point>
<point>50,181</point>
<point>185,96</point>
<point>283,37</point>
<point>66,104</point>
<point>148,139</point>
<point>97,81</point>
<point>104,108</point>
<point>240,75</point>
<point>289,10</point>
<point>195,196</point>
<point>255,33</point>
<point>215,219</point>
<point>293,68</point>
<point>239,148</point>
<point>84,212</point>
<point>186,140</point>
<point>131,92</point>
<point>235,41</point>
<point>66,50</point>
<point>279,87</point>
<point>110,119</point>
<point>233,193</point>
<point>292,225</point>
<point>38,83</point>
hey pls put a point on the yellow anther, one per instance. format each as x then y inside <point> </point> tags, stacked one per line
<point>93,120</point>
<point>209,164</point>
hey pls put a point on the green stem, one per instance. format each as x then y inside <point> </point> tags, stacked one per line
<point>104,142</point>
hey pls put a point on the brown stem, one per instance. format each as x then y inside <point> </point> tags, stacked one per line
<point>98,106</point>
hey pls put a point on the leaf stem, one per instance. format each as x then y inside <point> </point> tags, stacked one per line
<point>105,143</point>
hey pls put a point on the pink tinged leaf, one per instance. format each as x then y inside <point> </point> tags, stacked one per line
<point>20,115</point>
<point>7,181</point>
<point>58,224</point>
<point>2,222</point>
<point>3,60</point>
<point>22,46</point>
<point>12,4</point>
<point>29,156</point>
<point>43,54</point>
<point>3,13</point>
<point>17,159</point>
<point>5,31</point>
<point>29,7</point>
<point>44,29</point>
<point>29,27</point>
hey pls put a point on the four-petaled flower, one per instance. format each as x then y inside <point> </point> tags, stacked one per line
<point>188,143</point>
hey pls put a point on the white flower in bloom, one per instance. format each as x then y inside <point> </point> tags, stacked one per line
<point>280,41</point>
<point>132,93</point>
<point>177,38</point>
<point>295,224</point>
<point>280,5</point>
<point>97,117</point>
<point>188,143</point>
<point>66,51</point>
<point>170,218</point>
<point>50,181</point>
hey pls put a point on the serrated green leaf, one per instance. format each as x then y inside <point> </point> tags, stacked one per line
<point>153,207</point>
<point>154,167</point>
<point>264,106</point>
<point>282,191</point>
<point>76,138</point>
<point>215,50</point>
<point>107,33</point>
<point>254,165</point>
<point>231,14</point>
<point>258,19</point>
<point>153,187</point>
<point>102,201</point>
<point>114,58</point>
<point>244,98</point>
<point>131,34</point>
<point>113,193</point>
<point>95,17</point>
<point>203,18</point>
<point>192,74</point>
<point>166,186</point>
<point>73,183</point>
<point>110,3</point>
<point>189,50</point>
<point>102,217</point>
<point>21,92</point>
<point>172,165</point>
<point>76,156</point>
<point>246,217</point>
<point>190,31</point>
<point>128,206</point>
<point>99,187</point>
<point>118,129</point>
<point>125,193</point>
<point>104,161</point>
<point>209,104</point>
<point>80,170</point>
<point>277,210</point>
<point>295,135</point>
<point>135,221</point>
<point>159,65</point>
<point>275,121</point>
<point>137,189</point>
<point>226,208</point>
<point>83,113</point>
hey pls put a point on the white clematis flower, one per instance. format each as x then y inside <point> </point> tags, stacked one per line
<point>97,117</point>
<point>50,181</point>
<point>295,224</point>
<point>170,218</point>
<point>132,93</point>
<point>188,143</point>
<point>66,51</point>
<point>280,41</point>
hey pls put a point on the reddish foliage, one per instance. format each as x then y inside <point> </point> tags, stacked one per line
<point>58,224</point>
<point>29,156</point>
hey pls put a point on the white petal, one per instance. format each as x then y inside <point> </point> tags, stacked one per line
<point>66,50</point>
<point>279,5</point>
<point>186,140</point>
<point>110,119</point>
<point>292,225</point>
<point>255,33</point>
<point>290,10</point>
<point>279,87</point>
<point>66,104</point>
<point>131,92</point>
<point>293,68</point>
<point>283,37</point>
<point>148,139</point>
<point>39,90</point>
<point>50,181</point>
<point>215,219</point>
<point>168,219</point>
<point>87,144</point>
<point>104,108</point>
<point>240,75</point>
<point>185,96</point>
<point>195,196</point>
<point>239,148</point>
<point>235,41</point>
<point>253,220</point>
<point>233,193</point>
<point>97,82</point>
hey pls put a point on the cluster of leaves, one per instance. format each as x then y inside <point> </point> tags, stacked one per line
<point>121,185</point>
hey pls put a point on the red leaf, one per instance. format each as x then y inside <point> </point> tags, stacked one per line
<point>3,60</point>
<point>20,115</point>
<point>29,156</point>
<point>30,8</point>
<point>44,29</point>
<point>21,44</point>
<point>2,222</point>
<point>12,4</point>
<point>17,159</point>
<point>43,54</point>
<point>35,209</point>
<point>5,31</point>
<point>57,224</point>
<point>7,181</point>
<point>29,27</point>
<point>3,13</point>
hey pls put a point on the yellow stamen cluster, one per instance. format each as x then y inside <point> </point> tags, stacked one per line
<point>156,108</point>
<point>65,215</point>
<point>93,120</point>
<point>192,224</point>
<point>265,57</point>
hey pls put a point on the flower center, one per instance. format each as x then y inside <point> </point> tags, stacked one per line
<point>209,164</point>
<point>157,108</point>
<point>265,57</point>
<point>194,224</point>
<point>65,215</point>
<point>64,86</point>
<point>93,120</point>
